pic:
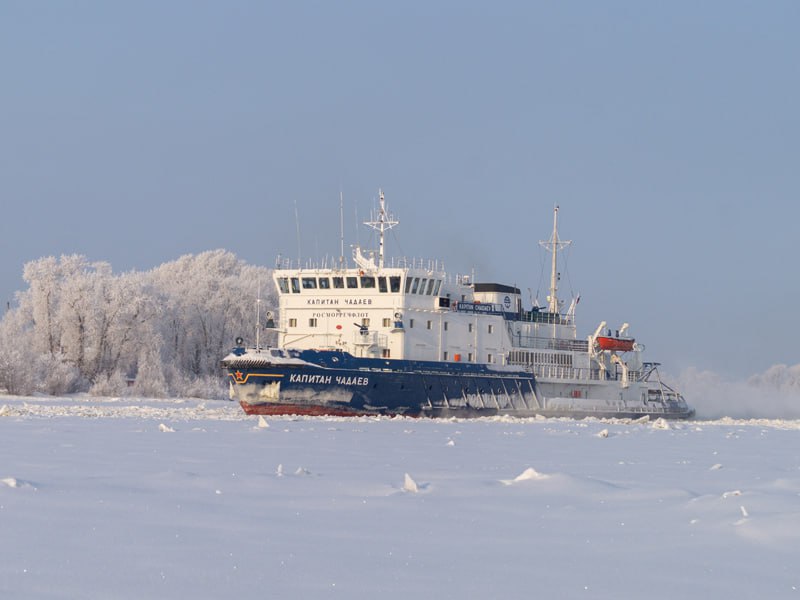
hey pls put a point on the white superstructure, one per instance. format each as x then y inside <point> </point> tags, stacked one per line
<point>407,310</point>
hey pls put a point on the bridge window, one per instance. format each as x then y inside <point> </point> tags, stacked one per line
<point>394,283</point>
<point>367,282</point>
<point>283,285</point>
<point>430,286</point>
<point>408,284</point>
<point>415,285</point>
<point>338,282</point>
<point>309,283</point>
<point>352,282</point>
<point>295,285</point>
<point>324,283</point>
<point>422,285</point>
<point>436,289</point>
<point>382,285</point>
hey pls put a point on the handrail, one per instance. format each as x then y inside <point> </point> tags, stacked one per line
<point>580,373</point>
<point>543,343</point>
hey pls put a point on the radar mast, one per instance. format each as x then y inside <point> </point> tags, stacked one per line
<point>554,244</point>
<point>381,223</point>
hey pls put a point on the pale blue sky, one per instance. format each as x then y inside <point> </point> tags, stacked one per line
<point>669,133</point>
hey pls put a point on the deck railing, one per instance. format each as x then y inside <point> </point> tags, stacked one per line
<point>542,343</point>
<point>581,374</point>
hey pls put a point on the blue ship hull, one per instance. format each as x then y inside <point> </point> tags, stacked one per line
<point>318,382</point>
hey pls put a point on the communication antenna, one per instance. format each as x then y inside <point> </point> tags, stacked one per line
<point>297,224</point>
<point>258,316</point>
<point>341,231</point>
<point>357,236</point>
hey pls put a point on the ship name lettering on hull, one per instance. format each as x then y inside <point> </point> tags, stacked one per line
<point>328,379</point>
<point>297,378</point>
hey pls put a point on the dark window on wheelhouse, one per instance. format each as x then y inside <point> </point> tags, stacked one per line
<point>415,285</point>
<point>382,285</point>
<point>394,283</point>
<point>352,282</point>
<point>324,283</point>
<point>295,285</point>
<point>422,285</point>
<point>309,283</point>
<point>430,287</point>
<point>283,285</point>
<point>436,289</point>
<point>338,282</point>
<point>367,282</point>
<point>408,284</point>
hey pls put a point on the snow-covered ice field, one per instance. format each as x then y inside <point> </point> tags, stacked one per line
<point>105,498</point>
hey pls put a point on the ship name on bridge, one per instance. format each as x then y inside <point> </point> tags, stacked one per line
<point>335,301</point>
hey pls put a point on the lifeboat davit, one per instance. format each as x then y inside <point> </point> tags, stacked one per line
<point>615,344</point>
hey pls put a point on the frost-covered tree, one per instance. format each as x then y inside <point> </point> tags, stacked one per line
<point>18,357</point>
<point>79,327</point>
<point>207,300</point>
<point>778,377</point>
<point>43,277</point>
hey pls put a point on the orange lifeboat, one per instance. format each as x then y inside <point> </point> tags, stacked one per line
<point>615,344</point>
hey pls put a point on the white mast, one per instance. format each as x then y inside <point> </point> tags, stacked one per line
<point>258,316</point>
<point>341,230</point>
<point>554,245</point>
<point>384,221</point>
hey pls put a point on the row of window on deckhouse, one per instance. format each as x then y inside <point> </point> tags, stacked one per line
<point>414,285</point>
